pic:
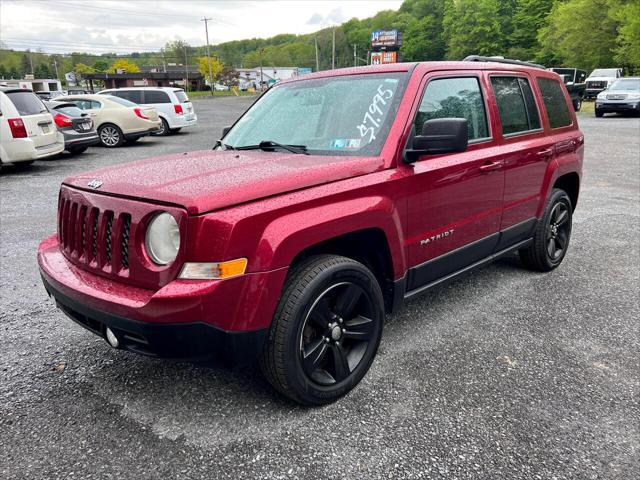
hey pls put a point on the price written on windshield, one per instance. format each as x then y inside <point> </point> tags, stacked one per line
<point>375,114</point>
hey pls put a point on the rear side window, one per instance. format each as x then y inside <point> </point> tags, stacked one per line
<point>454,98</point>
<point>134,96</point>
<point>555,103</point>
<point>182,97</point>
<point>123,101</point>
<point>156,96</point>
<point>516,105</point>
<point>27,103</point>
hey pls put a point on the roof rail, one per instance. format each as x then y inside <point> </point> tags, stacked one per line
<point>480,58</point>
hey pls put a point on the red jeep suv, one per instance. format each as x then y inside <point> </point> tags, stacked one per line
<point>333,199</point>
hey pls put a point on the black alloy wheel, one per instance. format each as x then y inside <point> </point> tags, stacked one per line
<point>326,330</point>
<point>337,331</point>
<point>552,235</point>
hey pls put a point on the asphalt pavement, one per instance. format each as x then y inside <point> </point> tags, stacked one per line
<point>504,374</point>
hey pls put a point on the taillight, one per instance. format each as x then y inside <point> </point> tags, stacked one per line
<point>139,113</point>
<point>178,109</point>
<point>17,127</point>
<point>62,120</point>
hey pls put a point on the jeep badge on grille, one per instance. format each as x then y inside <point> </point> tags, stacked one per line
<point>95,184</point>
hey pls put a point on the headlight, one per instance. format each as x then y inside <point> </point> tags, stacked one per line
<point>163,239</point>
<point>634,96</point>
<point>601,96</point>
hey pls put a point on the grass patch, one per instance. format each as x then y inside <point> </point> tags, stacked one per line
<point>588,107</point>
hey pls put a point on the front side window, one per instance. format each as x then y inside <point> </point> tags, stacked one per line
<point>454,98</point>
<point>345,115</point>
<point>555,103</point>
<point>516,105</point>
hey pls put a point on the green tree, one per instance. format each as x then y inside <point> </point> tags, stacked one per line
<point>581,33</point>
<point>472,27</point>
<point>529,17</point>
<point>42,71</point>
<point>100,65</point>
<point>423,36</point>
<point>203,68</point>
<point>627,52</point>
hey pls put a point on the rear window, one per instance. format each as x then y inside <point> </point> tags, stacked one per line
<point>182,96</point>
<point>122,101</point>
<point>69,110</point>
<point>27,103</point>
<point>555,103</point>
<point>156,96</point>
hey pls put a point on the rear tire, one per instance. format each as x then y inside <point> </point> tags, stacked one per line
<point>326,330</point>
<point>23,165</point>
<point>175,130</point>
<point>577,104</point>
<point>599,114</point>
<point>164,129</point>
<point>110,135</point>
<point>552,235</point>
<point>77,150</point>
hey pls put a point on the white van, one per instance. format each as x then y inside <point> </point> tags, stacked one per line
<point>173,105</point>
<point>27,131</point>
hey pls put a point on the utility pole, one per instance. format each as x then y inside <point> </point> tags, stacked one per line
<point>206,31</point>
<point>355,55</point>
<point>55,65</point>
<point>317,58</point>
<point>333,49</point>
<point>164,63</point>
<point>31,61</point>
<point>261,78</point>
<point>186,70</point>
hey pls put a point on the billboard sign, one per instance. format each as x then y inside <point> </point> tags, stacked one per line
<point>383,39</point>
<point>379,58</point>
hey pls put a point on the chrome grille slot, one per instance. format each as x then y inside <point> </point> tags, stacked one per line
<point>108,237</point>
<point>124,240</point>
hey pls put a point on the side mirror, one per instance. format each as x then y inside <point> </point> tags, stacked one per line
<point>440,135</point>
<point>225,130</point>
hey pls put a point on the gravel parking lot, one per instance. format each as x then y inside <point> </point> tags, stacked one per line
<point>505,374</point>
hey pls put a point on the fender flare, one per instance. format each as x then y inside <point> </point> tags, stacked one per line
<point>285,237</point>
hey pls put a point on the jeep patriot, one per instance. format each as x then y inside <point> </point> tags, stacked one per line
<point>335,198</point>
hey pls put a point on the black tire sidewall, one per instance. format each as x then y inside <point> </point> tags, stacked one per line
<point>556,197</point>
<point>120,135</point>
<point>303,387</point>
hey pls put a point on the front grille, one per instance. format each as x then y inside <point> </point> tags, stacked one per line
<point>593,84</point>
<point>90,236</point>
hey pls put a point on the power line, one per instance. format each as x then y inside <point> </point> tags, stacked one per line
<point>84,6</point>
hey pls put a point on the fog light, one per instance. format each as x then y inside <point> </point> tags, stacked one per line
<point>112,339</point>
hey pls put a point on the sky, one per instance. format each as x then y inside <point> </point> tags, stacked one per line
<point>60,26</point>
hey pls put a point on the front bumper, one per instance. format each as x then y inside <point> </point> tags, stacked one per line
<point>220,320</point>
<point>606,106</point>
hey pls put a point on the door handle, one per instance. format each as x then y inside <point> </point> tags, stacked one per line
<point>547,152</point>
<point>490,167</point>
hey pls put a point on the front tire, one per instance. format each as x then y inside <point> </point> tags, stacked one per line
<point>110,135</point>
<point>599,114</point>
<point>552,235</point>
<point>577,104</point>
<point>326,330</point>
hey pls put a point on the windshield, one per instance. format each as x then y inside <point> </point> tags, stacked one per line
<point>631,84</point>
<point>604,72</point>
<point>121,101</point>
<point>347,115</point>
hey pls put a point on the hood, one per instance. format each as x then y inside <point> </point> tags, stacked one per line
<point>209,180</point>
<point>600,79</point>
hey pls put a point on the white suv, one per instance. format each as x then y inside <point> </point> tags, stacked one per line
<point>173,105</point>
<point>27,131</point>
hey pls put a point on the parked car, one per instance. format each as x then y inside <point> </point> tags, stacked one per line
<point>600,79</point>
<point>334,198</point>
<point>173,105</point>
<point>575,82</point>
<point>46,96</point>
<point>75,125</point>
<point>221,88</point>
<point>78,91</point>
<point>27,132</point>
<point>623,96</point>
<point>116,119</point>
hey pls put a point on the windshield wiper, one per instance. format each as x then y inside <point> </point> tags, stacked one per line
<point>270,145</point>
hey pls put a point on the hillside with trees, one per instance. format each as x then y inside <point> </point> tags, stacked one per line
<point>581,33</point>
